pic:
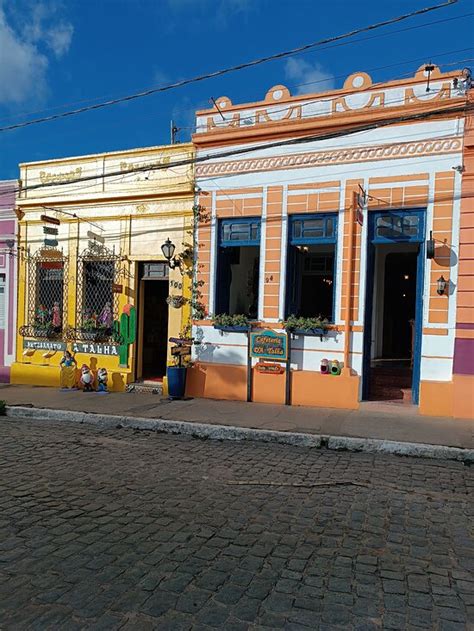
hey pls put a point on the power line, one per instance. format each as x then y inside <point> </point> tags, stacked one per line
<point>459,109</point>
<point>355,41</point>
<point>236,68</point>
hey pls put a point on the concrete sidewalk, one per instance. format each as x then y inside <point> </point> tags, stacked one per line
<point>373,420</point>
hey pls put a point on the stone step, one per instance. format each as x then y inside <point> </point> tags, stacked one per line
<point>146,388</point>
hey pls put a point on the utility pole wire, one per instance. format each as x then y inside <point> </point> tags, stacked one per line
<point>218,73</point>
<point>458,109</point>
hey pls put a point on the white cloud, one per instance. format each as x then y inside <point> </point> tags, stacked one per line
<point>307,77</point>
<point>27,39</point>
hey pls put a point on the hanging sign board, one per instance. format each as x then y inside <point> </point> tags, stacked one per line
<point>269,345</point>
<point>117,289</point>
<point>47,219</point>
<point>51,242</point>
<point>48,230</point>
<point>95,237</point>
<point>269,368</point>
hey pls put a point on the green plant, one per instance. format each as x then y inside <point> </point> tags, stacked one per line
<point>126,331</point>
<point>224,319</point>
<point>3,408</point>
<point>295,323</point>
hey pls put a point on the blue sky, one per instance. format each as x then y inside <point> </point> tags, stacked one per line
<point>55,54</point>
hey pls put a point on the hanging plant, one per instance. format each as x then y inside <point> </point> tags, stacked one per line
<point>176,301</point>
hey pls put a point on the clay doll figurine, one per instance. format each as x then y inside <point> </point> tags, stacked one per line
<point>68,371</point>
<point>105,318</point>
<point>102,379</point>
<point>56,319</point>
<point>87,379</point>
<point>41,314</point>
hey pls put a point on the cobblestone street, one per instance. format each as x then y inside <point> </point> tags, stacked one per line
<point>109,529</point>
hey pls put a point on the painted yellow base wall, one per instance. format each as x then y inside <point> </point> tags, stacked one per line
<point>33,374</point>
<point>448,398</point>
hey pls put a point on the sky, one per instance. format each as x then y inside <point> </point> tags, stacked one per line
<point>57,55</point>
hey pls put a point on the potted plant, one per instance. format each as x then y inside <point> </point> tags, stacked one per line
<point>176,374</point>
<point>176,301</point>
<point>226,322</point>
<point>299,325</point>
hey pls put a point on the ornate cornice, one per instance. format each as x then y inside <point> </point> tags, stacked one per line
<point>393,151</point>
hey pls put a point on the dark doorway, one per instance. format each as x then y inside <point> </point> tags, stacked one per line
<point>154,340</point>
<point>393,328</point>
<point>399,305</point>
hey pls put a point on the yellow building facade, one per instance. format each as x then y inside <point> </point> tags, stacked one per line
<point>93,279</point>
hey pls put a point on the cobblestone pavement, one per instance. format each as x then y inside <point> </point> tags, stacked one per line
<point>136,530</point>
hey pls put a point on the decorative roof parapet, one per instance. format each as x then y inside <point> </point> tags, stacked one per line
<point>358,94</point>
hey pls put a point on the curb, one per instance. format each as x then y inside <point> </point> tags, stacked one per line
<point>226,432</point>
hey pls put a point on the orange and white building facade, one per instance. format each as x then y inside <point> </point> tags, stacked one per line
<point>290,166</point>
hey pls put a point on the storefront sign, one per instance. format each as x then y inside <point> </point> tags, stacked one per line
<point>270,369</point>
<point>95,349</point>
<point>117,289</point>
<point>269,345</point>
<point>44,345</point>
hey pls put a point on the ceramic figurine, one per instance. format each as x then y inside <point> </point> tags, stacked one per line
<point>102,378</point>
<point>335,368</point>
<point>105,318</point>
<point>324,367</point>
<point>56,319</point>
<point>42,314</point>
<point>68,371</point>
<point>87,379</point>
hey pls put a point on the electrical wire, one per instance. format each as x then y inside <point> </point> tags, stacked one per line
<point>459,109</point>
<point>223,71</point>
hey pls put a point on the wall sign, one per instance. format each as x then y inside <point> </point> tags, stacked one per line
<point>268,368</point>
<point>269,345</point>
<point>44,345</point>
<point>95,349</point>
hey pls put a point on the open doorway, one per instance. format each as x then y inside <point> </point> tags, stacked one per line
<point>392,332</point>
<point>153,322</point>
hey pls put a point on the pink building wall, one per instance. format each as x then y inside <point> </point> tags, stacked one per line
<point>8,272</point>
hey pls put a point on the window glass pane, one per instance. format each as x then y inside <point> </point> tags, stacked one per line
<point>384,226</point>
<point>240,231</point>
<point>297,229</point>
<point>330,227</point>
<point>314,228</point>
<point>411,225</point>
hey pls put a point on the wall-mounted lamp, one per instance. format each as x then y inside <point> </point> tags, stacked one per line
<point>442,283</point>
<point>430,247</point>
<point>168,248</point>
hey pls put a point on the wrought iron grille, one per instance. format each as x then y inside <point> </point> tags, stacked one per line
<point>47,276</point>
<point>98,270</point>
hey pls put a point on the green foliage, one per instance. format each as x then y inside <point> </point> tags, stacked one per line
<point>3,408</point>
<point>224,319</point>
<point>295,323</point>
<point>127,331</point>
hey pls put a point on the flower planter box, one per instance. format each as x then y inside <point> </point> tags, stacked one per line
<point>231,329</point>
<point>310,332</point>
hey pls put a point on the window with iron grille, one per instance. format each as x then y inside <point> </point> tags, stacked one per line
<point>47,294</point>
<point>98,271</point>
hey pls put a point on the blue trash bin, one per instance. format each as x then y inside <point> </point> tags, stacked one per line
<point>176,381</point>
